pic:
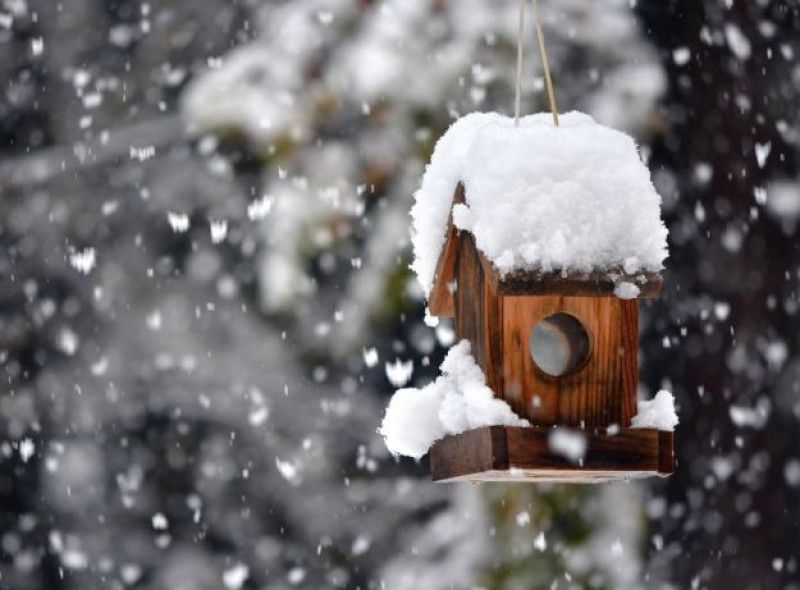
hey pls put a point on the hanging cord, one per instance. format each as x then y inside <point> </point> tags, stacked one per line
<point>520,43</point>
<point>551,95</point>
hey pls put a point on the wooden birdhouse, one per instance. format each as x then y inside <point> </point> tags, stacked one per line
<point>549,238</point>
<point>538,241</point>
<point>562,351</point>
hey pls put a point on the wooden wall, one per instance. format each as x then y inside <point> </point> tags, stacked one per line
<point>601,393</point>
<point>478,313</point>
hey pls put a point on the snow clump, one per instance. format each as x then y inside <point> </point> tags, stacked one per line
<point>457,401</point>
<point>657,413</point>
<point>575,198</point>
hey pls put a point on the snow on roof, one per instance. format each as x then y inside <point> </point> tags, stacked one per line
<point>575,199</point>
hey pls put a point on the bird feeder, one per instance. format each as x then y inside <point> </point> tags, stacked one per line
<point>562,351</point>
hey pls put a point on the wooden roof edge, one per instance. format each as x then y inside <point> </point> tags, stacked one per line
<point>440,300</point>
<point>597,283</point>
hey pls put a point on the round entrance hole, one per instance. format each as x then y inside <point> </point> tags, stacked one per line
<point>559,344</point>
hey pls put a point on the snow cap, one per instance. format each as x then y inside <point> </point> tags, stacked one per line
<point>574,199</point>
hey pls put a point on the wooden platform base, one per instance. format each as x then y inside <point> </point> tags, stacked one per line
<point>506,453</point>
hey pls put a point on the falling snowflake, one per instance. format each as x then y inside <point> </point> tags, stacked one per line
<point>235,577</point>
<point>399,373</point>
<point>26,449</point>
<point>259,208</point>
<point>179,222</point>
<point>219,229</point>
<point>83,261</point>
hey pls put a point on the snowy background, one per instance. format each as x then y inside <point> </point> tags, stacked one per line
<point>205,298</point>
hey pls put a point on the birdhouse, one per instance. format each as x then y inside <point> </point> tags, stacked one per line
<point>562,351</point>
<point>551,236</point>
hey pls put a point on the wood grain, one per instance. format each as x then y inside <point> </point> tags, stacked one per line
<point>523,454</point>
<point>441,299</point>
<point>479,313</point>
<point>603,391</point>
<point>481,450</point>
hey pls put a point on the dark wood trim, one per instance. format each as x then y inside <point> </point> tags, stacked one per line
<point>554,283</point>
<point>510,453</point>
<point>666,453</point>
<point>481,450</point>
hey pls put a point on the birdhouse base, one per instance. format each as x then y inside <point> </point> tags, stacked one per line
<point>507,453</point>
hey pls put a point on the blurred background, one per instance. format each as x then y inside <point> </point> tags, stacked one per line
<point>205,299</point>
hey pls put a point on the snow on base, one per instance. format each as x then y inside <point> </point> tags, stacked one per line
<point>576,198</point>
<point>457,401</point>
<point>657,413</point>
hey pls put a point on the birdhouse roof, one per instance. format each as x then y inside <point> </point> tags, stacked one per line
<point>572,204</point>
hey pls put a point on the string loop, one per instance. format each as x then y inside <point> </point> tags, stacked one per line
<point>551,95</point>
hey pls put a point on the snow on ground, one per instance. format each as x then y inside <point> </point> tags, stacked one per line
<point>457,401</point>
<point>658,412</point>
<point>575,198</point>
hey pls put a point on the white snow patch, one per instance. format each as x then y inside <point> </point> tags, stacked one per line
<point>130,573</point>
<point>259,208</point>
<point>399,372</point>
<point>445,334</point>
<point>783,200</point>
<point>575,198</point>
<point>791,472</point>
<point>99,367</point>
<point>370,357</point>
<point>631,265</point>
<point>83,261</point>
<point>287,469</point>
<point>296,575</point>
<point>681,56</point>
<point>235,577</point>
<point>142,153</point>
<point>658,412</point>
<point>360,546</point>
<point>743,416</point>
<point>626,290</point>
<point>109,207</point>
<point>540,543</point>
<point>68,341</point>
<point>179,222</point>
<point>160,522</point>
<point>26,449</point>
<point>37,46</point>
<point>74,559</point>
<point>570,444</point>
<point>737,42</point>
<point>722,310</point>
<point>219,229</point>
<point>457,401</point>
<point>258,416</point>
<point>154,320</point>
<point>762,153</point>
<point>616,548</point>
